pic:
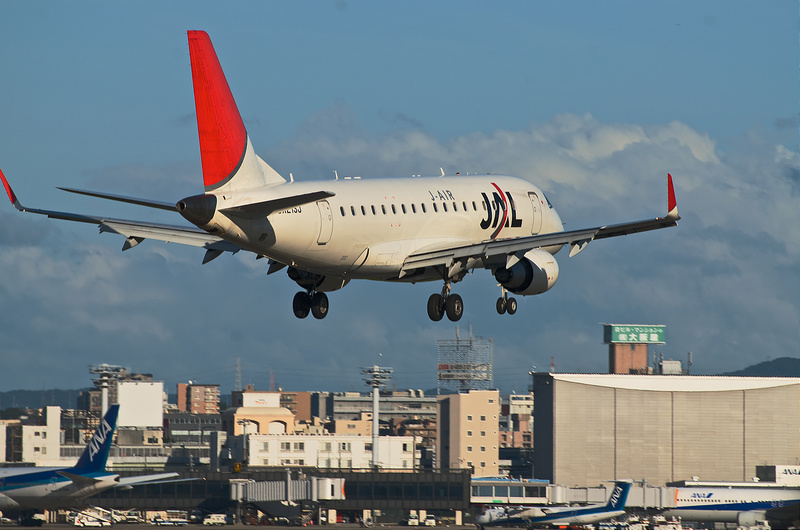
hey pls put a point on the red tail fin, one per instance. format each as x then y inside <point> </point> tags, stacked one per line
<point>223,137</point>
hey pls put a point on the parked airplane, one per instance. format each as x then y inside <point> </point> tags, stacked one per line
<point>327,234</point>
<point>569,515</point>
<point>743,503</point>
<point>28,489</point>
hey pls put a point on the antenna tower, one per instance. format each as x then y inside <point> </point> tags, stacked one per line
<point>465,364</point>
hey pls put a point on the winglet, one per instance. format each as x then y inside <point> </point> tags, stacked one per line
<point>672,204</point>
<point>10,192</point>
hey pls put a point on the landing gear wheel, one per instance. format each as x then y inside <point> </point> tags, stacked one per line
<point>454,307</point>
<point>301,304</point>
<point>436,307</point>
<point>319,305</point>
<point>511,306</point>
<point>501,305</point>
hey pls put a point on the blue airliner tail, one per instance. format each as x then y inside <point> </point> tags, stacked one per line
<point>95,455</point>
<point>619,496</point>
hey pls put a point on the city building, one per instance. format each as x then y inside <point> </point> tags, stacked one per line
<point>257,413</point>
<point>590,428</point>
<point>407,404</point>
<point>198,399</point>
<point>468,434</point>
<point>332,451</point>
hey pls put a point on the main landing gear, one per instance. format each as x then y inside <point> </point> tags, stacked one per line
<point>310,302</point>
<point>506,304</point>
<point>446,302</point>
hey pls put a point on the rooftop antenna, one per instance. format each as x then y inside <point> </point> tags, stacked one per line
<point>238,384</point>
<point>336,175</point>
<point>689,363</point>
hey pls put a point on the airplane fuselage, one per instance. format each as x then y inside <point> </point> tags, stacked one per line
<point>45,488</point>
<point>366,230</point>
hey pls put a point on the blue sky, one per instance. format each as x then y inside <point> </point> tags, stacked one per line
<point>595,102</point>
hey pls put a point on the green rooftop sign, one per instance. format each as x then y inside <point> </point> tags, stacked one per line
<point>633,334</point>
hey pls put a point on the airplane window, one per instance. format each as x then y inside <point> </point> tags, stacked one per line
<point>394,210</point>
<point>413,208</point>
<point>403,207</point>
<point>373,209</point>
<point>435,209</point>
<point>423,208</point>
<point>353,210</point>
<point>363,211</point>
<point>444,205</point>
<point>455,206</point>
<point>383,209</point>
<point>474,206</point>
<point>341,209</point>
<point>464,204</point>
<point>484,206</point>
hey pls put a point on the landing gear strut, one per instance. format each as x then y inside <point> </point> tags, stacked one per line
<point>506,304</point>
<point>446,302</point>
<point>315,303</point>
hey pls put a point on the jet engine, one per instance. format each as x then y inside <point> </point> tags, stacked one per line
<point>751,518</point>
<point>535,273</point>
<point>316,282</point>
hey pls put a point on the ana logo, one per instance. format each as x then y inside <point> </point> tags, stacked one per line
<point>615,495</point>
<point>99,439</point>
<point>791,471</point>
<point>500,202</point>
<point>701,495</point>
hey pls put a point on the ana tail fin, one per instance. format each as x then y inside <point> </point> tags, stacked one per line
<point>619,496</point>
<point>95,455</point>
<point>229,161</point>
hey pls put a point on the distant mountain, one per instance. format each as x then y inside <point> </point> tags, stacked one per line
<point>780,367</point>
<point>36,399</point>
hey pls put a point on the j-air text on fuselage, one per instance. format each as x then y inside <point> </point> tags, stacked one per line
<point>328,233</point>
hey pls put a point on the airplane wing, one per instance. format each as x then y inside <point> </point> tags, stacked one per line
<point>136,231</point>
<point>159,478</point>
<point>496,251</point>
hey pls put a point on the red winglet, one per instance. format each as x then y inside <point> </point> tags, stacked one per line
<point>672,204</point>
<point>10,192</point>
<point>223,137</point>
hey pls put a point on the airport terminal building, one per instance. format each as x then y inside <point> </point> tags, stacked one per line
<point>590,428</point>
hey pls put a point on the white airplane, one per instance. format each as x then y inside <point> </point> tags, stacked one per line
<point>28,489</point>
<point>329,233</point>
<point>743,503</point>
<point>531,516</point>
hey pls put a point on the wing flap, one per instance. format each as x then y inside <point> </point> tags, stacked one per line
<point>167,233</point>
<point>493,250</point>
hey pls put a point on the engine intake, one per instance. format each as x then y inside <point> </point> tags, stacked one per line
<point>535,273</point>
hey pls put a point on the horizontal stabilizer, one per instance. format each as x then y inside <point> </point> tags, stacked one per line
<point>258,209</point>
<point>80,480</point>
<point>170,207</point>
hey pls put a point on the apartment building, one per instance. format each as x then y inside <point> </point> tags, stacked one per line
<point>468,434</point>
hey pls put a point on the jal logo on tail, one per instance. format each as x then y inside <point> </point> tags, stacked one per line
<point>99,438</point>
<point>500,202</point>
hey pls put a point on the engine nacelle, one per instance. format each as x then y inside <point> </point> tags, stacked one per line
<point>535,273</point>
<point>750,518</point>
<point>316,282</point>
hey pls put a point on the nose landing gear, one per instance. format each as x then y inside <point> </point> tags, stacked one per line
<point>315,303</point>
